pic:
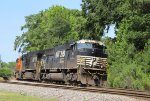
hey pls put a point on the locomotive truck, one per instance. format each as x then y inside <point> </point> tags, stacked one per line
<point>80,62</point>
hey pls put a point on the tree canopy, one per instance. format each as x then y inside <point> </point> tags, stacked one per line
<point>51,27</point>
<point>100,14</point>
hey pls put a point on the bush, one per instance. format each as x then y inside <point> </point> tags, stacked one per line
<point>130,76</point>
<point>5,72</point>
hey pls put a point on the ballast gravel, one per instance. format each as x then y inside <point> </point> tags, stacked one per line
<point>61,94</point>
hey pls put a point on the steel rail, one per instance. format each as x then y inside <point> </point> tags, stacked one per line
<point>145,95</point>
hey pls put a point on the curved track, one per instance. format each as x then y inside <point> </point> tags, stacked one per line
<point>144,95</point>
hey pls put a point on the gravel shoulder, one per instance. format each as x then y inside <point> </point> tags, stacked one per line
<point>61,94</point>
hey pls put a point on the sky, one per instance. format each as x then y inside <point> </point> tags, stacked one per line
<point>12,17</point>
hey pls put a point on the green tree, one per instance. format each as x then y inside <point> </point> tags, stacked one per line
<point>51,27</point>
<point>6,69</point>
<point>10,65</point>
<point>100,14</point>
<point>5,72</point>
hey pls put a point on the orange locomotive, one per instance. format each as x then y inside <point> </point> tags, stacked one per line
<point>18,67</point>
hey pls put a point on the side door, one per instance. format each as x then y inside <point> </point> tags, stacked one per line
<point>59,60</point>
<point>70,57</point>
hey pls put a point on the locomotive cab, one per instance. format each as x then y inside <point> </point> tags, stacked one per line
<point>89,53</point>
<point>91,49</point>
<point>91,61</point>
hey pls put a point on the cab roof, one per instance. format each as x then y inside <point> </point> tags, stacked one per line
<point>90,41</point>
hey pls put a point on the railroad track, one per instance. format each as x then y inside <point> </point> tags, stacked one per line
<point>143,95</point>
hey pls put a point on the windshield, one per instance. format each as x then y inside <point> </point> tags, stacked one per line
<point>84,45</point>
<point>89,45</point>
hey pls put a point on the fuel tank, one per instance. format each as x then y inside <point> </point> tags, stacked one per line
<point>55,76</point>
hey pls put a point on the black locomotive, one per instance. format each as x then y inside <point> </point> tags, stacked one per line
<point>80,62</point>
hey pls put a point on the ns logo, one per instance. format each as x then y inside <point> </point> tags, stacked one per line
<point>93,61</point>
<point>60,53</point>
